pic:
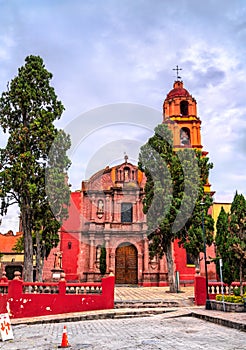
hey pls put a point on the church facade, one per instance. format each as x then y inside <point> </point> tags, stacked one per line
<point>106,214</point>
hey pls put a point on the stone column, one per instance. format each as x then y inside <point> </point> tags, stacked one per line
<point>116,208</point>
<point>146,254</point>
<point>137,209</point>
<point>112,261</point>
<point>93,207</point>
<point>194,134</point>
<point>176,134</point>
<point>140,267</point>
<point>134,212</point>
<point>108,208</point>
<point>198,135</point>
<point>91,252</point>
<point>107,238</point>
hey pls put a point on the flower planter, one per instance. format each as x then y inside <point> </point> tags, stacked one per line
<point>228,307</point>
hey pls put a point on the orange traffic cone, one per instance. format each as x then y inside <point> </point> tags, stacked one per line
<point>64,343</point>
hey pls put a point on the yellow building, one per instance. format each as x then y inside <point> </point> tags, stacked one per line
<point>10,260</point>
<point>216,208</point>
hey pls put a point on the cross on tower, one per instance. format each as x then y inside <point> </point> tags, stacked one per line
<point>177,72</point>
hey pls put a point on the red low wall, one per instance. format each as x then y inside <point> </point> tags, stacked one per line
<point>214,288</point>
<point>22,299</point>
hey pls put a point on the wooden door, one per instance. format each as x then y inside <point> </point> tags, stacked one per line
<point>126,269</point>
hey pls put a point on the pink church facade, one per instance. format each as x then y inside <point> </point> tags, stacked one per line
<point>108,212</point>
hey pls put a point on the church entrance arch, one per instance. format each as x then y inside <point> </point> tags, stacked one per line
<point>126,264</point>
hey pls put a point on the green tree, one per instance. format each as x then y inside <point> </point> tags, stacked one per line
<point>191,236</point>
<point>223,242</point>
<point>198,225</point>
<point>28,110</point>
<point>237,227</point>
<point>173,192</point>
<point>103,266</point>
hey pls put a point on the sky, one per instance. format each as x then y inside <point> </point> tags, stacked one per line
<point>112,64</point>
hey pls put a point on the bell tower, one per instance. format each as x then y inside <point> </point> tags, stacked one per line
<point>180,114</point>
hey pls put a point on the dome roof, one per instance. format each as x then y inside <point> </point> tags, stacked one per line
<point>178,91</point>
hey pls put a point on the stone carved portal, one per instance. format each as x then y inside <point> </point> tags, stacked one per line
<point>126,264</point>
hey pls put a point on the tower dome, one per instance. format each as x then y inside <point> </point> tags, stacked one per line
<point>178,90</point>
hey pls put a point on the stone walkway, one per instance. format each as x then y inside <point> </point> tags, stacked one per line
<point>154,294</point>
<point>143,293</point>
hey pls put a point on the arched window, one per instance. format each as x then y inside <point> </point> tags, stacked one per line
<point>184,107</point>
<point>185,137</point>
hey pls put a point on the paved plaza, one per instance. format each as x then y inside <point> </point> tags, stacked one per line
<point>153,332</point>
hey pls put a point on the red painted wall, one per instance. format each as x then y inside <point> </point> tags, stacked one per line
<point>186,273</point>
<point>73,221</point>
<point>70,238</point>
<point>69,245</point>
<point>31,305</point>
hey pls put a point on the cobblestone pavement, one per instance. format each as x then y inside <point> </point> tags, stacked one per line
<point>150,333</point>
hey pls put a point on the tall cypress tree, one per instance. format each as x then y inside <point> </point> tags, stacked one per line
<point>223,241</point>
<point>237,225</point>
<point>28,110</point>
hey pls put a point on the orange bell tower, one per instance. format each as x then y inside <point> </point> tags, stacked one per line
<point>180,114</point>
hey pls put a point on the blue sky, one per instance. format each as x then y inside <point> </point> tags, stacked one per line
<point>112,52</point>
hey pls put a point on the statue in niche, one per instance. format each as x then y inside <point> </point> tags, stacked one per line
<point>126,174</point>
<point>100,208</point>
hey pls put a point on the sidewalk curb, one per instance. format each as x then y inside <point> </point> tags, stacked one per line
<point>220,321</point>
<point>93,315</point>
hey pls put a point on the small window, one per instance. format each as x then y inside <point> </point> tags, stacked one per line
<point>189,260</point>
<point>126,212</point>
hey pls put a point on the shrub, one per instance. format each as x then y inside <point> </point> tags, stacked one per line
<point>103,266</point>
<point>236,291</point>
<point>230,298</point>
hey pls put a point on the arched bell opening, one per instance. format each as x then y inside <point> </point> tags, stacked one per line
<point>184,110</point>
<point>185,137</point>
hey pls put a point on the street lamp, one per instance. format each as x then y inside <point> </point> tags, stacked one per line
<point>208,305</point>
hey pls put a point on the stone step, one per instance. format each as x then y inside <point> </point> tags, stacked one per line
<point>143,312</point>
<point>118,304</point>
